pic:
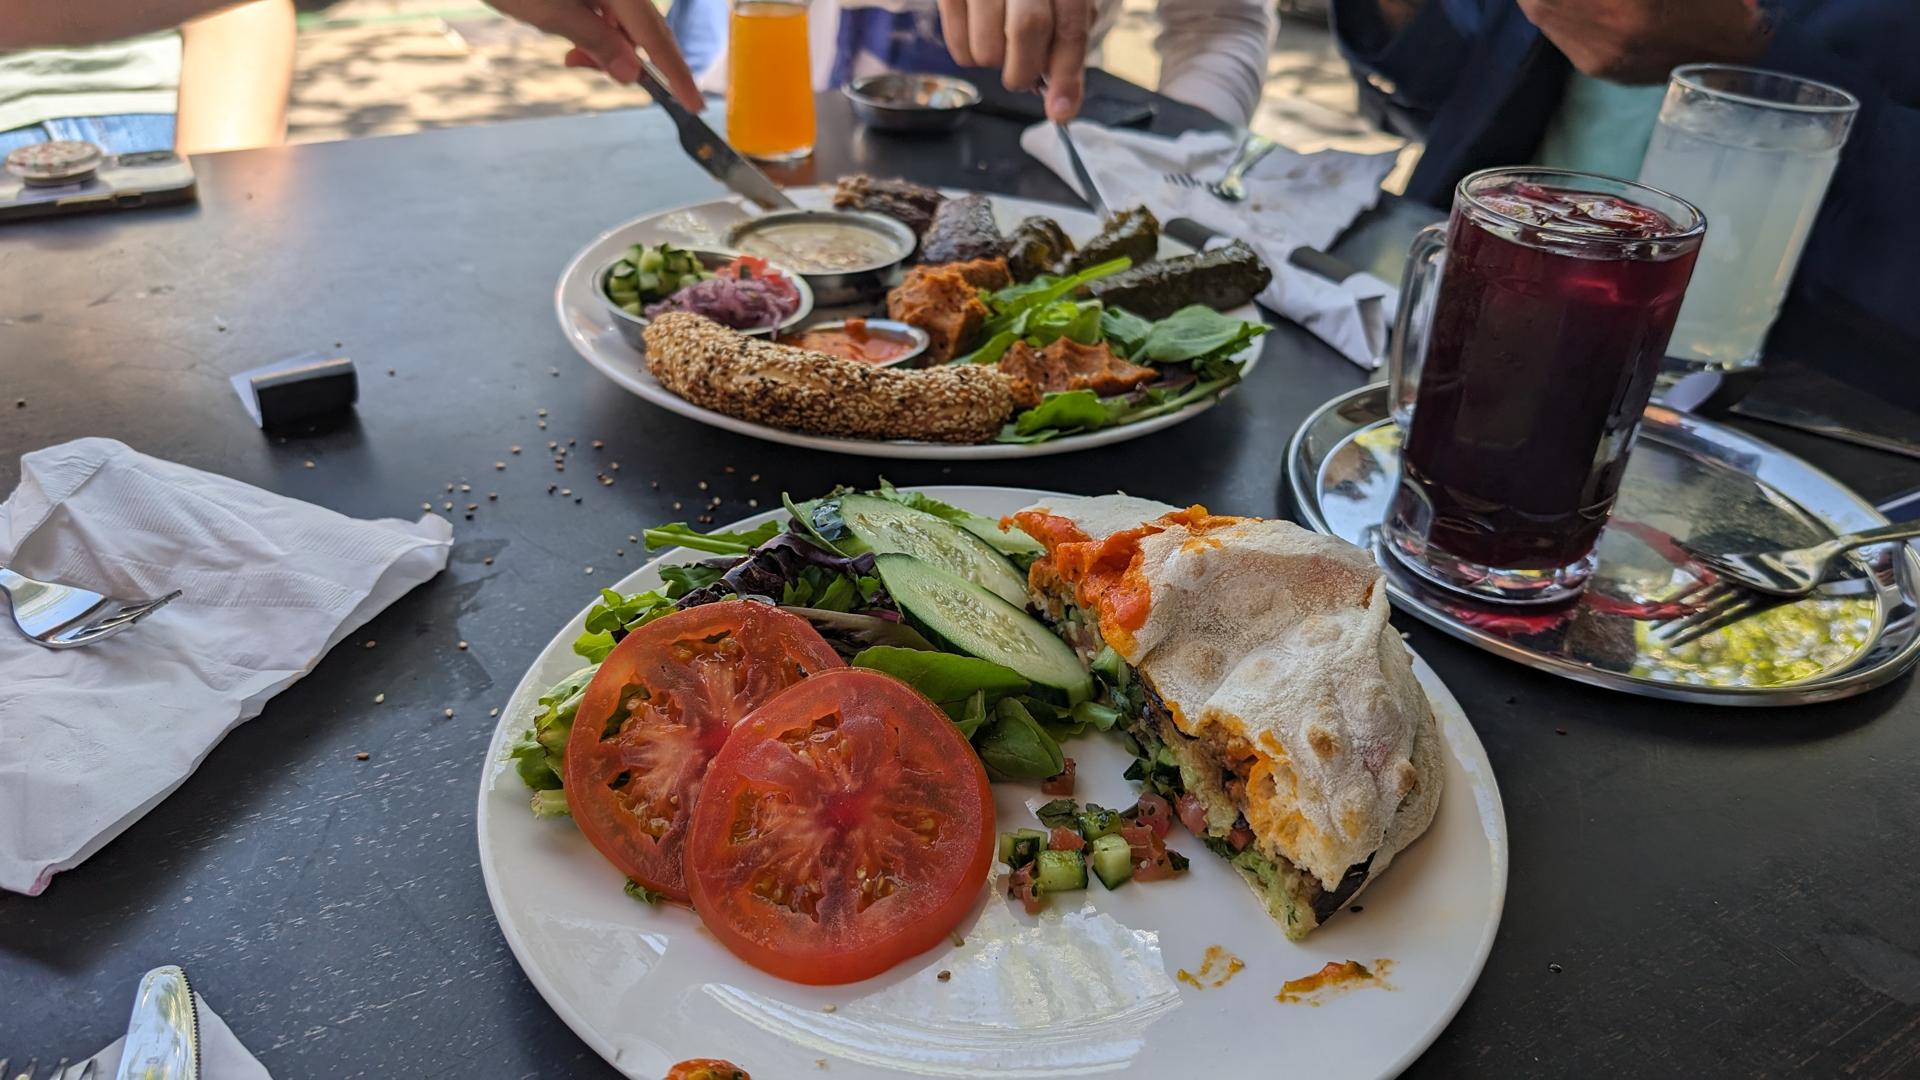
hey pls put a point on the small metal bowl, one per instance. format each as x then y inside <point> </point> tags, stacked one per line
<point>631,326</point>
<point>899,101</point>
<point>892,327</point>
<point>832,288</point>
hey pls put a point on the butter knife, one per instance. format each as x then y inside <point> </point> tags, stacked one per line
<point>708,150</point>
<point>1080,174</point>
<point>163,1035</point>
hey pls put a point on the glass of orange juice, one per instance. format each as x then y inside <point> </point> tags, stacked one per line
<point>770,80</point>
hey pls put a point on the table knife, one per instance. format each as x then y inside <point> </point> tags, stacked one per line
<point>711,152</point>
<point>1080,174</point>
<point>163,1035</point>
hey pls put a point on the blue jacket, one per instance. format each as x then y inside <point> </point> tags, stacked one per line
<point>1479,83</point>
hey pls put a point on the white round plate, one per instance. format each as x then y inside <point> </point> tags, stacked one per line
<point>1090,986</point>
<point>590,329</point>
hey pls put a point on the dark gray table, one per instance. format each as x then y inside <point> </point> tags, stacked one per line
<point>1723,892</point>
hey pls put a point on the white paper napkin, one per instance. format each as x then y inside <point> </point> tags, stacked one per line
<point>93,738</point>
<point>1293,200</point>
<point>221,1055</point>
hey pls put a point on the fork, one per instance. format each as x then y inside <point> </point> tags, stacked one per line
<point>60,1070</point>
<point>65,617</point>
<point>1742,584</point>
<point>1801,570</point>
<point>1231,186</point>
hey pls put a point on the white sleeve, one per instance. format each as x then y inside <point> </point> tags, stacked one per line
<point>1213,53</point>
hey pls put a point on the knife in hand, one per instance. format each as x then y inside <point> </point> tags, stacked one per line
<point>708,150</point>
<point>163,1034</point>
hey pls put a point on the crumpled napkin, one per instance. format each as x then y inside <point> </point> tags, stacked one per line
<point>1293,200</point>
<point>92,738</point>
<point>222,1057</point>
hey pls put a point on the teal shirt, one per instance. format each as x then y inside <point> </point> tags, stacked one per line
<point>1601,127</point>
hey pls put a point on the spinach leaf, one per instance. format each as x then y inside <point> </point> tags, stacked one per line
<point>969,715</point>
<point>1124,330</point>
<point>1059,813</point>
<point>682,534</point>
<point>991,350</point>
<point>1067,410</point>
<point>1013,303</point>
<point>1196,331</point>
<point>681,580</point>
<point>1014,746</point>
<point>1073,411</point>
<point>944,677</point>
<point>1079,322</point>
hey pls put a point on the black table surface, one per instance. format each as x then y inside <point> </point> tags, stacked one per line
<point>1694,891</point>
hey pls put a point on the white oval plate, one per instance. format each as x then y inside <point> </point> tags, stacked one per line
<point>590,330</point>
<point>1088,987</point>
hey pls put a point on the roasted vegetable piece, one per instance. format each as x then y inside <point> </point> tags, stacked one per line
<point>1223,278</point>
<point>963,230</point>
<point>1133,233</point>
<point>1038,246</point>
<point>908,203</point>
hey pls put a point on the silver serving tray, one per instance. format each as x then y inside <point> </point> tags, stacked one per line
<point>1689,480</point>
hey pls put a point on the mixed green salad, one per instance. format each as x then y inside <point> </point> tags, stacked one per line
<point>926,592</point>
<point>1192,350</point>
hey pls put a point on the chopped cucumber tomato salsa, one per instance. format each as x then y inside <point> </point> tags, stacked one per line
<point>854,594</point>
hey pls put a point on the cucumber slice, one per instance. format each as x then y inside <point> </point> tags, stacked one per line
<point>1112,861</point>
<point>1021,846</point>
<point>1059,871</point>
<point>888,527</point>
<point>974,621</point>
<point>1098,822</point>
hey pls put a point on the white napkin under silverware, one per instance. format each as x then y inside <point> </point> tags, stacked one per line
<point>93,738</point>
<point>222,1056</point>
<point>1293,200</point>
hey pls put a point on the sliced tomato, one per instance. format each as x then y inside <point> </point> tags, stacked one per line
<point>657,712</point>
<point>846,827</point>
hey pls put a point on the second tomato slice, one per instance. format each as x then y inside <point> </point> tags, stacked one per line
<point>845,827</point>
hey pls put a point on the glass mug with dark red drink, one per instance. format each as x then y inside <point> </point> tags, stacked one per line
<point>1520,401</point>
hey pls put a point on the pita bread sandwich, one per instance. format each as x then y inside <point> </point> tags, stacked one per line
<point>1266,694</point>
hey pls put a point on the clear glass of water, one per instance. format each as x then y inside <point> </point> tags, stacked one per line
<point>1755,150</point>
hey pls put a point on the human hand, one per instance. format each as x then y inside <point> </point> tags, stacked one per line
<point>1028,40</point>
<point>604,34</point>
<point>1642,41</point>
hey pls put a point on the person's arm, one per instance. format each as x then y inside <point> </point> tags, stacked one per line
<point>604,32</point>
<point>1640,41</point>
<point>27,24</point>
<point>1213,54</point>
<point>236,68</point>
<point>1414,51</point>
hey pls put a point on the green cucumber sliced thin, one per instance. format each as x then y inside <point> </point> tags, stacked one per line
<point>974,621</point>
<point>889,528</point>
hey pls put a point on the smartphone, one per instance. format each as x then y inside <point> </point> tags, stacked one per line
<point>1026,106</point>
<point>116,182</point>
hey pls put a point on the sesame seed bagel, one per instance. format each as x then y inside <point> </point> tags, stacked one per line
<point>800,390</point>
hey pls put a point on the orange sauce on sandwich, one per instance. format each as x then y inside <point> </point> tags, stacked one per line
<point>1105,575</point>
